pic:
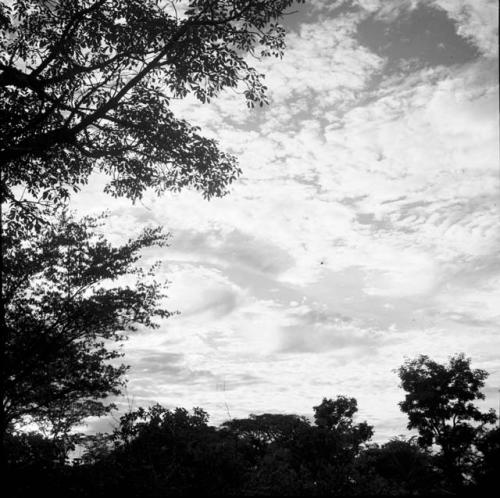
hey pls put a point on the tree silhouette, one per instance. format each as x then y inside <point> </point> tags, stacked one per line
<point>86,85</point>
<point>68,296</point>
<point>160,452</point>
<point>337,416</point>
<point>262,430</point>
<point>440,405</point>
<point>156,451</point>
<point>287,455</point>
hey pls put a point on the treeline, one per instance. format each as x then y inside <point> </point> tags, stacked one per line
<point>159,452</point>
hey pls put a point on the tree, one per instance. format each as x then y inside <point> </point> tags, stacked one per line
<point>337,415</point>
<point>262,430</point>
<point>267,445</point>
<point>68,296</point>
<point>334,445</point>
<point>158,452</point>
<point>440,405</point>
<point>86,85</point>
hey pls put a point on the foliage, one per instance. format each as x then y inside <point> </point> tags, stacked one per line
<point>160,452</point>
<point>29,449</point>
<point>398,467</point>
<point>173,451</point>
<point>262,430</point>
<point>287,455</point>
<point>179,453</point>
<point>440,405</point>
<point>268,444</point>
<point>68,295</point>
<point>87,85</point>
<point>337,415</point>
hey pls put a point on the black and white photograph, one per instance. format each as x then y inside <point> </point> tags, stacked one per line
<point>250,247</point>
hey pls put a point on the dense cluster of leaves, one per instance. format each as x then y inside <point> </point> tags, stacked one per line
<point>68,295</point>
<point>86,85</point>
<point>160,452</point>
<point>440,405</point>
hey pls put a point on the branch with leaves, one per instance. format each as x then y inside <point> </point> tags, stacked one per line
<point>79,78</point>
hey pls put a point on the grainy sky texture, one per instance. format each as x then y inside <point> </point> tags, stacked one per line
<point>365,228</point>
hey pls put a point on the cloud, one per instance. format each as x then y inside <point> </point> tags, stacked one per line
<point>319,331</point>
<point>476,20</point>
<point>365,227</point>
<point>236,248</point>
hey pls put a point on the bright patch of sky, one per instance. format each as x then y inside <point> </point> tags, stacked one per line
<point>364,230</point>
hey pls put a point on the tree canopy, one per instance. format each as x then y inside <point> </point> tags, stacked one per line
<point>440,405</point>
<point>86,85</point>
<point>68,295</point>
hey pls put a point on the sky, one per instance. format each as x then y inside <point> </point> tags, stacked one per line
<point>364,230</point>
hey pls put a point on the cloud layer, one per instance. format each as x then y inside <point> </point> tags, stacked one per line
<point>365,228</point>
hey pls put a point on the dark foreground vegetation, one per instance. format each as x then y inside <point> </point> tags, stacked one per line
<point>160,452</point>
